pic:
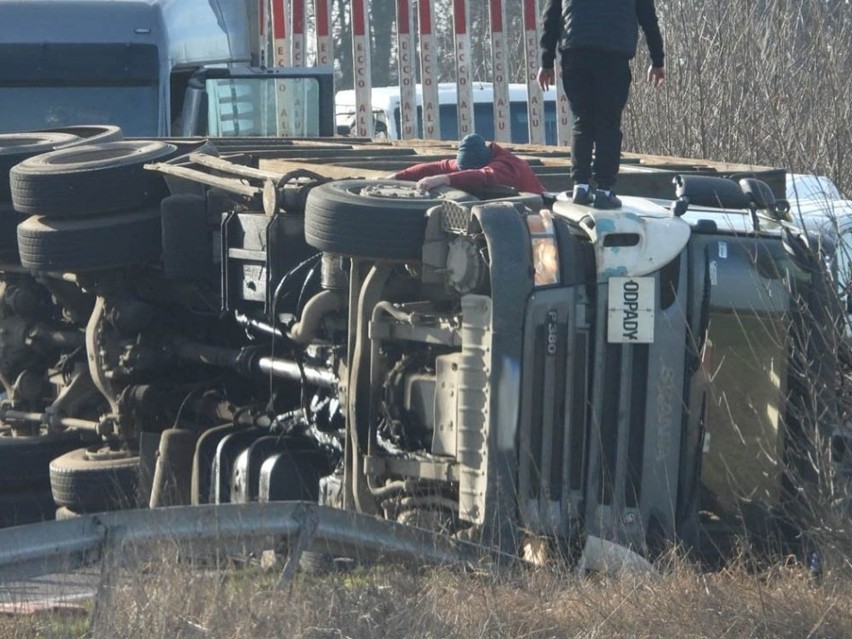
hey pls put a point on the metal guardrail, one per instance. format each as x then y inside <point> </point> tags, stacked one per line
<point>136,535</point>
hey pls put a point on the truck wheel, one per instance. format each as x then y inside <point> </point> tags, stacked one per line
<point>25,461</point>
<point>91,179</point>
<point>63,513</point>
<point>90,133</point>
<point>95,480</point>
<point>90,244</point>
<point>383,219</point>
<point>17,147</point>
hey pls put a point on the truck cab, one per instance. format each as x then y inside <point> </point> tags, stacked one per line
<point>255,325</point>
<point>132,63</point>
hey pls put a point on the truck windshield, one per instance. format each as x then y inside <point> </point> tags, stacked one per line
<point>268,107</point>
<point>57,84</point>
<point>133,108</point>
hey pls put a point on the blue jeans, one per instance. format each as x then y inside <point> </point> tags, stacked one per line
<point>597,85</point>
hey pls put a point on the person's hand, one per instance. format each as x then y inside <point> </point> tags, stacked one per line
<point>432,182</point>
<point>546,77</point>
<point>656,76</point>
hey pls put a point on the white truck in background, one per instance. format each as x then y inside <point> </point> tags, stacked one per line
<point>387,113</point>
<point>817,204</point>
<point>152,67</point>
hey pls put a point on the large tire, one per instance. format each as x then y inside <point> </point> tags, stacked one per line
<point>380,219</point>
<point>90,244</point>
<point>63,513</point>
<point>89,133</point>
<point>91,179</point>
<point>25,461</point>
<point>92,480</point>
<point>17,147</point>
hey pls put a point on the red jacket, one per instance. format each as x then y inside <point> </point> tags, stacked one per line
<point>504,168</point>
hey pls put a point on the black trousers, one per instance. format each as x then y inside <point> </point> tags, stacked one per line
<point>597,85</point>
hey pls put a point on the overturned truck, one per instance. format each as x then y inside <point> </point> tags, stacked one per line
<point>257,321</point>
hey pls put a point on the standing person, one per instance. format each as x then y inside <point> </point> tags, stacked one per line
<point>477,165</point>
<point>596,41</point>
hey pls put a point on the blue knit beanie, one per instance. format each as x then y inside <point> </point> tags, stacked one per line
<point>473,152</point>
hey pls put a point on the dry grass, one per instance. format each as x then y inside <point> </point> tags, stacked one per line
<point>172,600</point>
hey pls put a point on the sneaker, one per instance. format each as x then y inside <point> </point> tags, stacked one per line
<point>606,200</point>
<point>581,194</point>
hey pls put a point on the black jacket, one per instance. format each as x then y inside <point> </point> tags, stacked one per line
<point>599,25</point>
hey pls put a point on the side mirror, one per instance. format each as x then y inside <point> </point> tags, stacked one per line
<point>758,193</point>
<point>679,206</point>
<point>710,191</point>
<point>782,210</point>
<point>761,196</point>
<point>194,115</point>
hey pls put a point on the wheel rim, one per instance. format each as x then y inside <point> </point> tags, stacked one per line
<point>105,454</point>
<point>387,191</point>
<point>107,152</point>
<point>14,143</point>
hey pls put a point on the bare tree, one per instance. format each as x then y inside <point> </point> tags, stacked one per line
<point>764,82</point>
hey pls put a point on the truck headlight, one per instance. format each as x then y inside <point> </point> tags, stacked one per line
<point>545,252</point>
